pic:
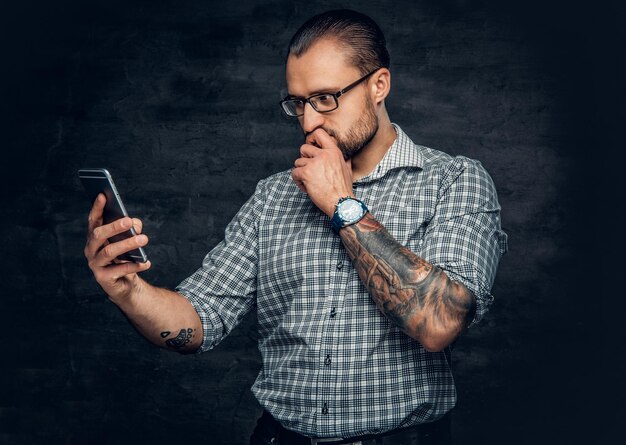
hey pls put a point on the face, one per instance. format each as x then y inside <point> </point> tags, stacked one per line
<point>324,69</point>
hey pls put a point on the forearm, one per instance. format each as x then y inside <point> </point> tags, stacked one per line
<point>163,317</point>
<point>417,296</point>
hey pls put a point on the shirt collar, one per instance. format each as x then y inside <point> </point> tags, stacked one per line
<point>402,153</point>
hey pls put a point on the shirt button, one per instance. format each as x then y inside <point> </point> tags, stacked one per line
<point>327,361</point>
<point>340,265</point>
<point>333,312</point>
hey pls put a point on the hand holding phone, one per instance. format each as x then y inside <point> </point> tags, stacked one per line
<point>99,180</point>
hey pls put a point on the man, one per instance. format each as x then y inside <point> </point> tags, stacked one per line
<point>364,262</point>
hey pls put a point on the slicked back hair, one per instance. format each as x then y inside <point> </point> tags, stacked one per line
<point>358,34</point>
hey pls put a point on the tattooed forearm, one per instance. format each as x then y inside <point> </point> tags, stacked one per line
<point>181,340</point>
<point>418,297</point>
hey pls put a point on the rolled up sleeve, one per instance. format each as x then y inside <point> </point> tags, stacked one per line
<point>465,237</point>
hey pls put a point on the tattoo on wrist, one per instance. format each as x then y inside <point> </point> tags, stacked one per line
<point>410,291</point>
<point>181,340</point>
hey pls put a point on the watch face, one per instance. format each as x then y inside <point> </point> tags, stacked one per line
<point>350,210</point>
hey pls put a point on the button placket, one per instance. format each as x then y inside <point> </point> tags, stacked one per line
<point>327,380</point>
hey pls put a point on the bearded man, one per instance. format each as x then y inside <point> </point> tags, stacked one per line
<point>364,262</point>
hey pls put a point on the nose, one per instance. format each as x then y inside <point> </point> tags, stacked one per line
<point>311,119</point>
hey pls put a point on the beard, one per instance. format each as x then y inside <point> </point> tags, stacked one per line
<point>361,133</point>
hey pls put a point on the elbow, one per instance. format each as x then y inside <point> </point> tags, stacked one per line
<point>440,331</point>
<point>434,340</point>
<point>436,344</point>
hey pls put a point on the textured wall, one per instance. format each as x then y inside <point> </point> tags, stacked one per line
<point>179,101</point>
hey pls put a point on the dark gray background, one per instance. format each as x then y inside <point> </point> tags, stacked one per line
<point>179,101</point>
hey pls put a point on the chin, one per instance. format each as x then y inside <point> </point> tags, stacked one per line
<point>348,153</point>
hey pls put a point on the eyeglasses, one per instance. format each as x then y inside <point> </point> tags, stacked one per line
<point>322,103</point>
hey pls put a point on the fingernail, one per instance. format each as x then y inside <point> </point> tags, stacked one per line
<point>142,238</point>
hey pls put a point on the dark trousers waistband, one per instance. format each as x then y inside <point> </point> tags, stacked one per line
<point>270,432</point>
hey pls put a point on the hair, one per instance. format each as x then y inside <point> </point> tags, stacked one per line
<point>357,33</point>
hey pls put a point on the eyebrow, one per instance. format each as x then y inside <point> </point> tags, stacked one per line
<point>319,91</point>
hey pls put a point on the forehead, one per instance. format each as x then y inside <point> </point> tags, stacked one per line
<point>324,67</point>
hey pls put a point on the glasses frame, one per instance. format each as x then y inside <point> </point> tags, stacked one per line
<point>335,96</point>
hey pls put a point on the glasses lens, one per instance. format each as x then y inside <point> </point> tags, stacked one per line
<point>324,102</point>
<point>292,107</point>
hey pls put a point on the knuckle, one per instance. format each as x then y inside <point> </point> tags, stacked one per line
<point>96,233</point>
<point>107,251</point>
<point>97,272</point>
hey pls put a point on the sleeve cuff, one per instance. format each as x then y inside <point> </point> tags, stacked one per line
<point>483,297</point>
<point>208,327</point>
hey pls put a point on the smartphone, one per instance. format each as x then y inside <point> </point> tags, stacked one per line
<point>99,180</point>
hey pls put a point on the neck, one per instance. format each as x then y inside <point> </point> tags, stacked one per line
<point>369,156</point>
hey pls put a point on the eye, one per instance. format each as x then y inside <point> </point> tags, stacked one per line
<point>325,98</point>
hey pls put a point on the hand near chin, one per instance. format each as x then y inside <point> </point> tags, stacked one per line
<point>322,172</point>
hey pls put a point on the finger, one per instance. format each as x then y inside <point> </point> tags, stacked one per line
<point>301,186</point>
<point>99,236</point>
<point>95,214</point>
<point>301,162</point>
<point>309,151</point>
<point>295,175</point>
<point>111,251</point>
<point>321,138</point>
<point>115,272</point>
<point>118,226</point>
<point>137,225</point>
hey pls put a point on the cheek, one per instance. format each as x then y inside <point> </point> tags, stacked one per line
<point>339,126</point>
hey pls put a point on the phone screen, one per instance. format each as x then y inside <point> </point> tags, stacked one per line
<point>99,180</point>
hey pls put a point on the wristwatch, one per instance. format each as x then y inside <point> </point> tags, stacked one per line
<point>348,211</point>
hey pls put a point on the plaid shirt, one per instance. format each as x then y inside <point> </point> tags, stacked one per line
<point>333,365</point>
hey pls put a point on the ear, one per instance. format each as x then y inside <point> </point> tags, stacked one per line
<point>380,85</point>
